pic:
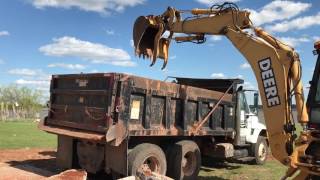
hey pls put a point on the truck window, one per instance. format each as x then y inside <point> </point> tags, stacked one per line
<point>243,103</point>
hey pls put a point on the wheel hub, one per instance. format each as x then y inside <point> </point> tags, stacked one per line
<point>150,164</point>
<point>262,152</point>
<point>189,163</point>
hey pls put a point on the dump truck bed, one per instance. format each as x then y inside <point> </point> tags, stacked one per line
<point>143,107</point>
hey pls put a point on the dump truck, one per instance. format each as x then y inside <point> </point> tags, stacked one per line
<point>124,124</point>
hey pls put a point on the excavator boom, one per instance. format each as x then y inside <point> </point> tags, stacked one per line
<point>276,66</point>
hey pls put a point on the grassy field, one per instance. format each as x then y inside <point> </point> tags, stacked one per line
<point>235,171</point>
<point>14,135</point>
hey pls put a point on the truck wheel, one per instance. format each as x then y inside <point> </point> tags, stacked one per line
<point>148,157</point>
<point>184,160</point>
<point>260,150</point>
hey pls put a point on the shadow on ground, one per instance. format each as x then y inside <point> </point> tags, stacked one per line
<point>211,165</point>
<point>45,166</point>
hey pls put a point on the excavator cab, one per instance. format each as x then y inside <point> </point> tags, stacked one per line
<point>313,102</point>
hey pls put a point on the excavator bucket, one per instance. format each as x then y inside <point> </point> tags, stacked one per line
<point>147,39</point>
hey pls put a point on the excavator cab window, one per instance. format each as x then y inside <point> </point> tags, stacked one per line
<point>314,103</point>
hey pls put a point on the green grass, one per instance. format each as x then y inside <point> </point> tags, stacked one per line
<point>234,171</point>
<point>24,134</point>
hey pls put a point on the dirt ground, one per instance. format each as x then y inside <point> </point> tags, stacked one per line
<point>27,164</point>
<point>36,164</point>
<point>39,164</point>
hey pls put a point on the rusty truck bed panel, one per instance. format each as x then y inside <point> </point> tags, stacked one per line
<point>145,107</point>
<point>80,101</point>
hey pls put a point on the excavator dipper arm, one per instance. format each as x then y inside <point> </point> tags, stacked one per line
<point>276,67</point>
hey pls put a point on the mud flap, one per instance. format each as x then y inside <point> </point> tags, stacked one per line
<point>65,153</point>
<point>116,158</point>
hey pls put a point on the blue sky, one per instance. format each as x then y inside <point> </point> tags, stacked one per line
<point>39,38</point>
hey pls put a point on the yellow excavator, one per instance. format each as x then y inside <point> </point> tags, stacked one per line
<point>276,66</point>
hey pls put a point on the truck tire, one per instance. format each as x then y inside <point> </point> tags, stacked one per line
<point>184,160</point>
<point>260,150</point>
<point>147,155</point>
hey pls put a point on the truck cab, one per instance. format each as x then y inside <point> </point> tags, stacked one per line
<point>250,131</point>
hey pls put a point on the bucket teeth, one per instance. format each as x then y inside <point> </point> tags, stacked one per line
<point>165,62</point>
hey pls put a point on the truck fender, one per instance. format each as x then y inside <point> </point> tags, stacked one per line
<point>253,137</point>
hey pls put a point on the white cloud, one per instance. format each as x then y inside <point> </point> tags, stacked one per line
<point>316,38</point>
<point>248,85</point>
<point>32,82</point>
<point>100,6</point>
<point>110,32</point>
<point>239,76</point>
<point>212,2</point>
<point>215,38</point>
<point>218,75</point>
<point>123,63</point>
<point>25,72</point>
<point>68,66</point>
<point>278,10</point>
<point>292,41</point>
<point>95,53</point>
<point>33,78</point>
<point>173,57</point>
<point>4,33</point>
<point>295,24</point>
<point>245,66</point>
<point>131,43</point>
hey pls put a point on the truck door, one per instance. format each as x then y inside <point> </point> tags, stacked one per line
<point>248,123</point>
<point>243,116</point>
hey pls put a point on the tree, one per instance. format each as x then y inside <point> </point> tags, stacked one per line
<point>19,102</point>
